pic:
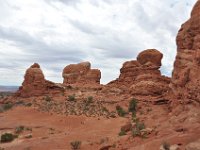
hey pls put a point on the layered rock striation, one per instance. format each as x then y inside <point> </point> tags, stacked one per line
<point>185,82</point>
<point>142,76</point>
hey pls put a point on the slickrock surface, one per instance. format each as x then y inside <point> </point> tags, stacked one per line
<point>81,73</point>
<point>185,79</point>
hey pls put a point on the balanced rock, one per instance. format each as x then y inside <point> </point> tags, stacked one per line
<point>35,84</point>
<point>185,77</point>
<point>81,73</point>
<point>142,76</point>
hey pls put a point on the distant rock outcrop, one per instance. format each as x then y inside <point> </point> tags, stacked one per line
<point>81,73</point>
<point>35,84</point>
<point>142,76</point>
<point>185,78</point>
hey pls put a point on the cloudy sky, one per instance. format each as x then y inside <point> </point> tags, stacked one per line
<point>107,33</point>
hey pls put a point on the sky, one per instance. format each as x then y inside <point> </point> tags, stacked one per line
<point>56,33</point>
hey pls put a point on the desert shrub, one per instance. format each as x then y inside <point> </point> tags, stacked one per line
<point>75,145</point>
<point>28,104</point>
<point>5,107</point>
<point>48,98</point>
<point>140,125</point>
<point>7,137</point>
<point>71,98</point>
<point>104,109</point>
<point>120,111</point>
<point>166,146</point>
<point>122,133</point>
<point>136,131</point>
<point>19,129</point>
<point>90,99</point>
<point>133,105</point>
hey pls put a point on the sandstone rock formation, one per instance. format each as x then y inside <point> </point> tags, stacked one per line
<point>81,73</point>
<point>35,84</point>
<point>185,78</point>
<point>143,76</point>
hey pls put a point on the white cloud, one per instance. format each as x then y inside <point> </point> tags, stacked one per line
<point>56,33</point>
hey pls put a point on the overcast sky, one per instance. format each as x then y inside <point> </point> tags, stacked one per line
<point>107,33</point>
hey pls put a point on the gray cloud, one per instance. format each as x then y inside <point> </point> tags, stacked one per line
<point>106,32</point>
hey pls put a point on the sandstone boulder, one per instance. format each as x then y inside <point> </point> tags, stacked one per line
<point>81,73</point>
<point>151,56</point>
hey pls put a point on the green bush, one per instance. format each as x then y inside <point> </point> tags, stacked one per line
<point>120,111</point>
<point>71,98</point>
<point>48,98</point>
<point>90,99</point>
<point>122,133</point>
<point>140,125</point>
<point>133,106</point>
<point>7,106</point>
<point>75,145</point>
<point>7,137</point>
<point>19,129</point>
<point>136,131</point>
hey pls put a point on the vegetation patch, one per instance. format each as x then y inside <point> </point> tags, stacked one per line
<point>48,98</point>
<point>120,111</point>
<point>71,98</point>
<point>6,107</point>
<point>133,105</point>
<point>19,129</point>
<point>89,100</point>
<point>136,131</point>
<point>7,137</point>
<point>122,133</point>
<point>75,145</point>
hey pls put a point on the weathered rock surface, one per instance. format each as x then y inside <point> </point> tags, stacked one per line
<point>81,73</point>
<point>35,83</point>
<point>185,78</point>
<point>142,76</point>
<point>193,146</point>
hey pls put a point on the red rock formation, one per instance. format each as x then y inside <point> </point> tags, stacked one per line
<point>185,78</point>
<point>143,76</point>
<point>81,73</point>
<point>35,84</point>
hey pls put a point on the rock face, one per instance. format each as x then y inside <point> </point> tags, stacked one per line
<point>143,76</point>
<point>35,84</point>
<point>193,146</point>
<point>81,73</point>
<point>185,77</point>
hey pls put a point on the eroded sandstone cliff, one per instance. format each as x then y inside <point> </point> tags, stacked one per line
<point>185,78</point>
